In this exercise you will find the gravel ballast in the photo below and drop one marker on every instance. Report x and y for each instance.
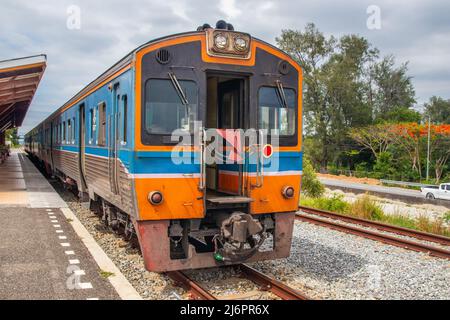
(327, 264)
(324, 264)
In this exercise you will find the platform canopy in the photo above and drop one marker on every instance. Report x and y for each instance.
(19, 79)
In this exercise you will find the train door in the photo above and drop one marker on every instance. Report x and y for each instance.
(82, 145)
(113, 135)
(227, 105)
(230, 116)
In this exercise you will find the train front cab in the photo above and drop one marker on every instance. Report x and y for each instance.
(210, 213)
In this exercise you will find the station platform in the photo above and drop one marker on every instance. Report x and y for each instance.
(45, 252)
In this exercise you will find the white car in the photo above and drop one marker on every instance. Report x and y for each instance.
(439, 192)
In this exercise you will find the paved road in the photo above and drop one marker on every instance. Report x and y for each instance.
(372, 188)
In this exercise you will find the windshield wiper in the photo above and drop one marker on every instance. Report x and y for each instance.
(178, 89)
(281, 93)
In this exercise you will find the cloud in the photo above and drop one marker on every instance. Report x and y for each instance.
(414, 31)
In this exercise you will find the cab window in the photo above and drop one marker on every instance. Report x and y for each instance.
(273, 116)
(164, 111)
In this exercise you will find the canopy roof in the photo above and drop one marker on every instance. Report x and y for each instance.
(19, 79)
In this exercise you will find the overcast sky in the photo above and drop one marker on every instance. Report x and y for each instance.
(414, 31)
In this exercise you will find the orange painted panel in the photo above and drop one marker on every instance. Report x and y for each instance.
(182, 199)
(269, 198)
(229, 182)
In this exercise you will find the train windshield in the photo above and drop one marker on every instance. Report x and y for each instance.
(273, 115)
(165, 111)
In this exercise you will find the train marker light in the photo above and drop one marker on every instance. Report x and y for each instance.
(288, 192)
(267, 151)
(155, 198)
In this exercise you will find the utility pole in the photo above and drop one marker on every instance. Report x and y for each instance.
(428, 152)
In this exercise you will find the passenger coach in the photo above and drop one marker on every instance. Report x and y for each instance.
(113, 142)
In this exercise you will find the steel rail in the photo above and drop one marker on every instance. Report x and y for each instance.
(391, 240)
(274, 286)
(380, 226)
(197, 291)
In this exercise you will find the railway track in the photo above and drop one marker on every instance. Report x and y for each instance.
(264, 282)
(377, 236)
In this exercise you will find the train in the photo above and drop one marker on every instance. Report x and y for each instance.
(191, 145)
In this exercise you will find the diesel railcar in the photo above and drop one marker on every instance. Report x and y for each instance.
(136, 143)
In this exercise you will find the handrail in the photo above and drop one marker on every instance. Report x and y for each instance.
(260, 161)
(202, 182)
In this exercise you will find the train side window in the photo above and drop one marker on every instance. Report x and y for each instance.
(273, 116)
(73, 130)
(91, 128)
(64, 132)
(124, 119)
(69, 131)
(102, 129)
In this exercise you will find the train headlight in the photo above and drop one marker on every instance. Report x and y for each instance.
(240, 44)
(220, 41)
(155, 198)
(288, 192)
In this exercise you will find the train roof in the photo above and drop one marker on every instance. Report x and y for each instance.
(124, 62)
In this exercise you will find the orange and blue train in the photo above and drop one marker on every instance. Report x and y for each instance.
(114, 143)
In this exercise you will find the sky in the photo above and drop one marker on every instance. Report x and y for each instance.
(79, 50)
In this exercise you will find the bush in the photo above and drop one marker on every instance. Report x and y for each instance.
(311, 186)
(432, 226)
(365, 207)
(383, 166)
(447, 217)
(334, 204)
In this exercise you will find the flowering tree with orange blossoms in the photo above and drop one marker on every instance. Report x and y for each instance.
(412, 138)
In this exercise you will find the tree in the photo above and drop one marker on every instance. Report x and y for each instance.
(12, 136)
(333, 85)
(440, 148)
(408, 137)
(376, 138)
(390, 88)
(438, 109)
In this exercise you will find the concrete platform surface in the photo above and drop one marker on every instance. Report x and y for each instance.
(45, 252)
(41, 257)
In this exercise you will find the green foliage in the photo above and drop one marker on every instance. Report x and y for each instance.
(311, 186)
(383, 165)
(362, 167)
(334, 204)
(11, 135)
(447, 217)
(352, 95)
(402, 114)
(367, 208)
(438, 109)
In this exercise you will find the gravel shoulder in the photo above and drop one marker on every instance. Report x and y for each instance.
(327, 264)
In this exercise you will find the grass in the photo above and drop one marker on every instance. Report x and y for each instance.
(447, 217)
(367, 208)
(105, 274)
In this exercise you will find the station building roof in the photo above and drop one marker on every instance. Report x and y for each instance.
(19, 79)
